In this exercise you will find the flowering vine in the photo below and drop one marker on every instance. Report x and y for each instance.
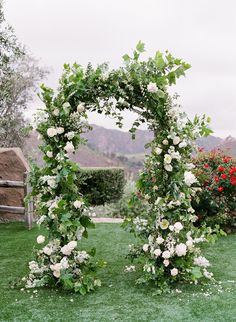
(168, 241)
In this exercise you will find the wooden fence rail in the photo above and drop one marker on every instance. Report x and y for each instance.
(28, 210)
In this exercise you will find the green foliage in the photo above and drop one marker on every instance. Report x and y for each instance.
(101, 185)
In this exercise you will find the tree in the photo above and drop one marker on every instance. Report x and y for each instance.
(19, 76)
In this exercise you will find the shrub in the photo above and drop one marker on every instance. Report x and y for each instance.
(101, 185)
(216, 203)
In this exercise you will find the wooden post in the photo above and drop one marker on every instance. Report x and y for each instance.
(29, 207)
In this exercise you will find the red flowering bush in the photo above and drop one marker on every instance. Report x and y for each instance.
(216, 203)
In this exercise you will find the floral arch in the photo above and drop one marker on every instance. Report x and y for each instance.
(167, 240)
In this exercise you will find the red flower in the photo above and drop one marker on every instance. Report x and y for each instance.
(233, 180)
(206, 166)
(221, 169)
(232, 170)
(220, 189)
(210, 188)
(226, 159)
(216, 178)
(224, 176)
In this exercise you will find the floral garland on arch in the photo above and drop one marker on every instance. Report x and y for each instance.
(168, 242)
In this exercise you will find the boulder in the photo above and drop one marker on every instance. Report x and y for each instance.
(13, 165)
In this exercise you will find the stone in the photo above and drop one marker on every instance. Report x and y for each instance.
(13, 165)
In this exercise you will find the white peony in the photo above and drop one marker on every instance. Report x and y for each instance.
(178, 226)
(166, 254)
(168, 167)
(189, 178)
(167, 159)
(80, 108)
(40, 239)
(166, 262)
(60, 130)
(165, 142)
(145, 247)
(51, 132)
(157, 252)
(181, 249)
(176, 140)
(49, 154)
(69, 147)
(78, 204)
(174, 272)
(152, 87)
(158, 151)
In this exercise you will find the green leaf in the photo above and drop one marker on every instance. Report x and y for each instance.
(196, 272)
(140, 47)
(160, 93)
(126, 58)
(86, 222)
(159, 61)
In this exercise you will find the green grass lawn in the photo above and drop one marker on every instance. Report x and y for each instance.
(119, 299)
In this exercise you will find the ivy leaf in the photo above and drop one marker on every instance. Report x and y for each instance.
(140, 47)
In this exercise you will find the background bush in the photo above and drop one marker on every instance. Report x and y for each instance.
(101, 185)
(216, 203)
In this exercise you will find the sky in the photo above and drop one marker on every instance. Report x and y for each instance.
(201, 32)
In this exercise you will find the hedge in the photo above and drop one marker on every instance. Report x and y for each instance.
(101, 185)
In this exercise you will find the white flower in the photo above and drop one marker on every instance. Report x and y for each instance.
(51, 182)
(41, 220)
(66, 105)
(158, 151)
(207, 274)
(189, 166)
(69, 147)
(49, 154)
(70, 135)
(55, 112)
(189, 178)
(182, 144)
(157, 252)
(181, 249)
(201, 261)
(64, 263)
(80, 108)
(66, 250)
(172, 228)
(166, 262)
(168, 167)
(81, 256)
(159, 240)
(178, 226)
(72, 244)
(189, 243)
(152, 87)
(130, 268)
(60, 130)
(166, 254)
(164, 224)
(40, 239)
(145, 247)
(174, 272)
(176, 140)
(165, 142)
(167, 159)
(51, 132)
(78, 204)
(57, 274)
(47, 250)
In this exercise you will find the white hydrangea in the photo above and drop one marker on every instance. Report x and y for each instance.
(152, 87)
(189, 178)
(81, 256)
(181, 249)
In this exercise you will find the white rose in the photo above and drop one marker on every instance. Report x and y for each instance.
(168, 167)
(49, 154)
(165, 142)
(72, 244)
(167, 158)
(189, 178)
(166, 254)
(157, 252)
(166, 262)
(178, 226)
(47, 250)
(69, 147)
(181, 249)
(183, 144)
(176, 140)
(80, 108)
(60, 130)
(40, 239)
(145, 247)
(152, 87)
(70, 135)
(159, 240)
(78, 204)
(51, 132)
(174, 272)
(158, 151)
